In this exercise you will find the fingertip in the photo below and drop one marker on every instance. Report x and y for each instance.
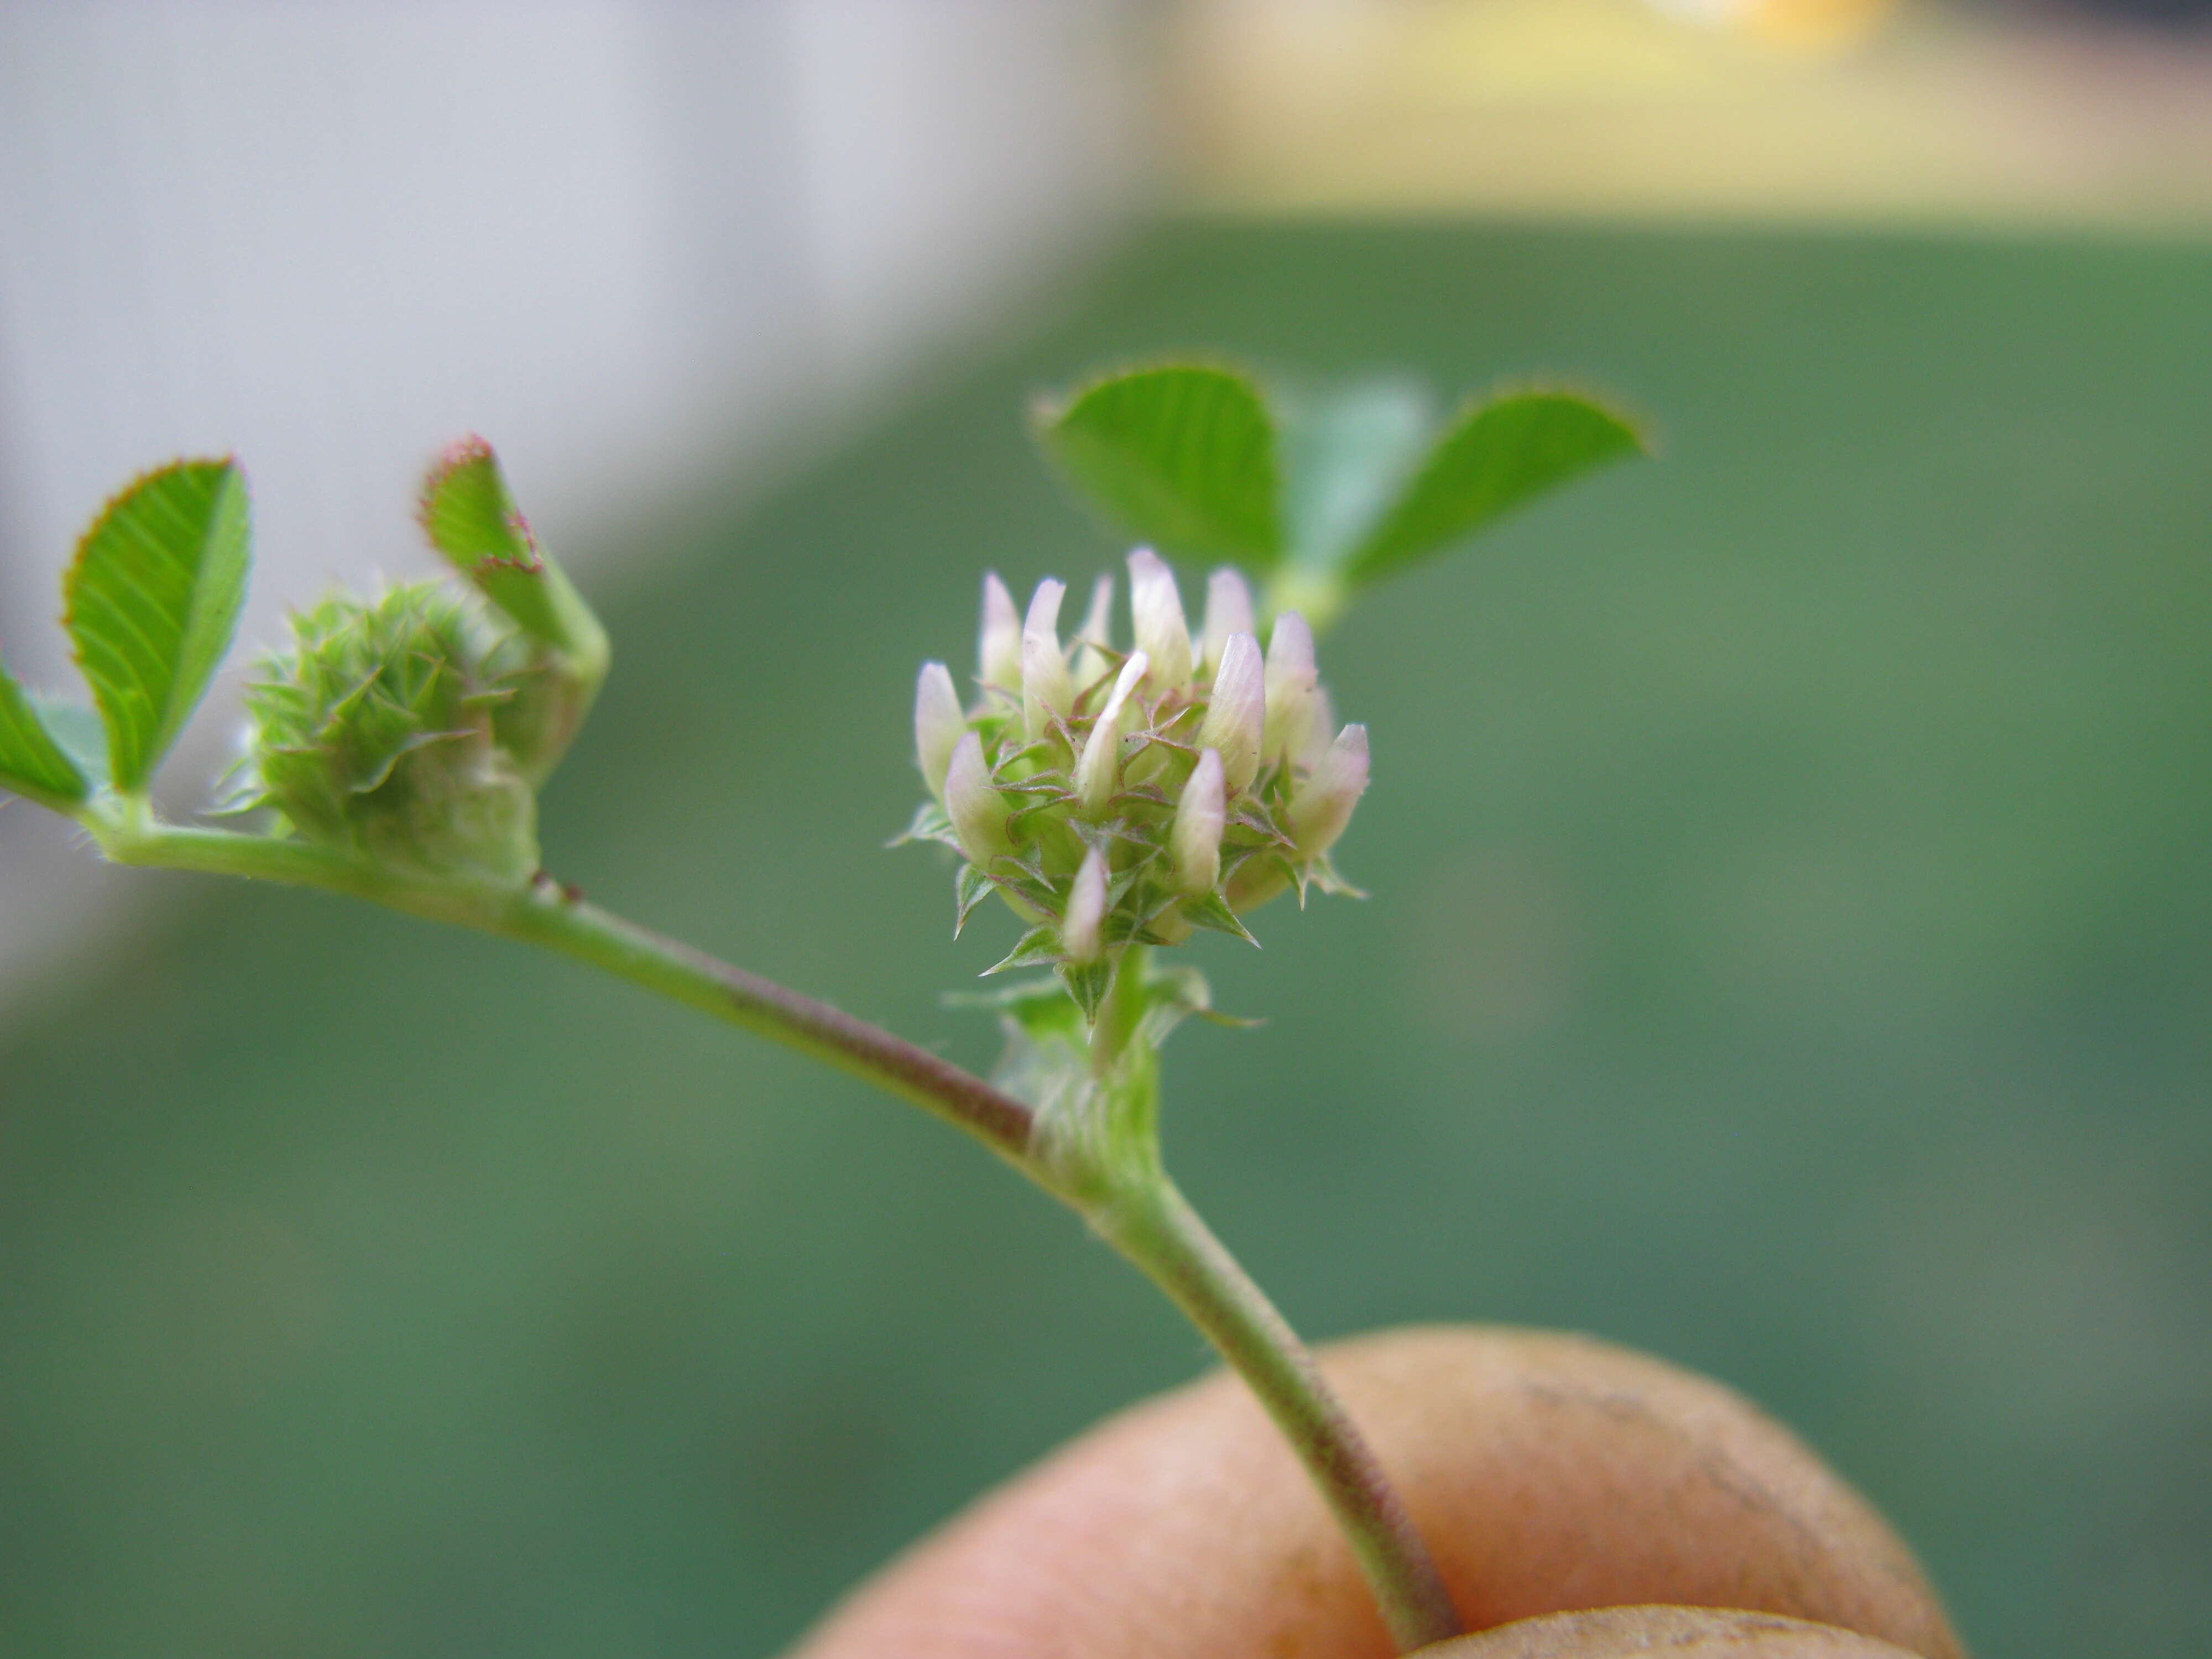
(1551, 1473)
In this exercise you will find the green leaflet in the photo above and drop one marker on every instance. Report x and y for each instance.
(1183, 455)
(1496, 454)
(33, 761)
(154, 595)
(1347, 455)
(470, 517)
(76, 727)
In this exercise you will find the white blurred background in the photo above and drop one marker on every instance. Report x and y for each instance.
(631, 243)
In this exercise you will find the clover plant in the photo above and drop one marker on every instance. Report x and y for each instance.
(1116, 790)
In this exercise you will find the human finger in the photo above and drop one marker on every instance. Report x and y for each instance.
(1549, 1474)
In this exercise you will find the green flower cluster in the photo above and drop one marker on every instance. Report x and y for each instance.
(384, 728)
(1116, 797)
(414, 729)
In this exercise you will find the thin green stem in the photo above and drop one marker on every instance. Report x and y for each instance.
(761, 1006)
(1145, 1217)
(1156, 1228)
(544, 913)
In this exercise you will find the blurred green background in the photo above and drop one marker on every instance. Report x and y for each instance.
(1791, 953)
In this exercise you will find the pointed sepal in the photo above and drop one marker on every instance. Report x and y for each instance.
(1212, 910)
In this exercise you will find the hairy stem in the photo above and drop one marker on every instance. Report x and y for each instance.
(1156, 1228)
(1147, 1220)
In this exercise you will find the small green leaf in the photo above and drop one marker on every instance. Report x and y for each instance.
(154, 595)
(1495, 455)
(33, 762)
(1182, 455)
(470, 516)
(1212, 911)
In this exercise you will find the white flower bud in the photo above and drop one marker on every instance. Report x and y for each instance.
(1228, 612)
(1100, 769)
(1082, 928)
(1318, 730)
(998, 655)
(1291, 683)
(1195, 840)
(939, 723)
(977, 811)
(1090, 662)
(1046, 689)
(1162, 633)
(1236, 716)
(1323, 804)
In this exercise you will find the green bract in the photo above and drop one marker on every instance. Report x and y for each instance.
(379, 731)
(1116, 797)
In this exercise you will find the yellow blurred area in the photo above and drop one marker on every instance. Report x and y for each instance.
(1852, 110)
(1814, 24)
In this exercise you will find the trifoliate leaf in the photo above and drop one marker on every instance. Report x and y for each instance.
(1183, 455)
(154, 595)
(33, 763)
(1496, 454)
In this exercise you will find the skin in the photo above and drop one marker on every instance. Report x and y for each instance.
(1678, 1632)
(1551, 1473)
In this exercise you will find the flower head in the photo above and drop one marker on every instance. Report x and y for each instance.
(379, 729)
(1128, 799)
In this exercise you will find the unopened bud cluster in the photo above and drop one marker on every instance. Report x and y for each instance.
(1116, 796)
(398, 728)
